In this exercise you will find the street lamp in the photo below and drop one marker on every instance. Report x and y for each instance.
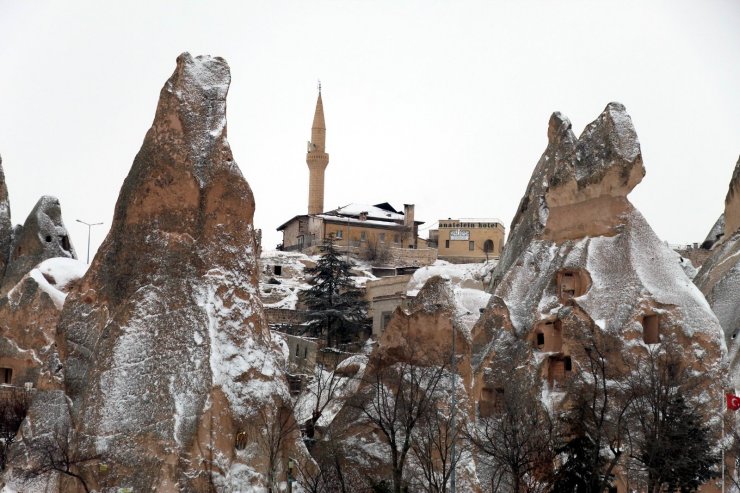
(89, 226)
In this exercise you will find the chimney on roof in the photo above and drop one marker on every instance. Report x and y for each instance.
(363, 216)
(408, 215)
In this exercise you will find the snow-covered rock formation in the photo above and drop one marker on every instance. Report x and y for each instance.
(6, 227)
(719, 277)
(581, 260)
(168, 361)
(42, 236)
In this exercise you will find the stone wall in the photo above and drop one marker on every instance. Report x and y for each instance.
(412, 256)
(276, 316)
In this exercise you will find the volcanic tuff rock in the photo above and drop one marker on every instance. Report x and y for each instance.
(719, 277)
(581, 259)
(28, 318)
(41, 237)
(579, 185)
(717, 232)
(6, 227)
(416, 341)
(167, 354)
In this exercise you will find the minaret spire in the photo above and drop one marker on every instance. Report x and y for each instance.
(317, 159)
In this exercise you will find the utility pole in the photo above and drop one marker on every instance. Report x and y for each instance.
(89, 227)
(453, 484)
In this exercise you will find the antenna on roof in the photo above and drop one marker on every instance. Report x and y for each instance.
(319, 86)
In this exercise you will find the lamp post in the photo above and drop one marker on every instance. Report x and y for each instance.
(89, 227)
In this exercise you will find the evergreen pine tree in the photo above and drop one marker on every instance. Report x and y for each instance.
(336, 308)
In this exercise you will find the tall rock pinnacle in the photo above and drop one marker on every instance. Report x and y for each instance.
(719, 276)
(42, 236)
(6, 227)
(168, 355)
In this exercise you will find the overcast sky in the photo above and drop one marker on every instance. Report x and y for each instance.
(440, 104)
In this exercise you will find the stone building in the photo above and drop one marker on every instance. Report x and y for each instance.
(468, 239)
(372, 231)
(384, 296)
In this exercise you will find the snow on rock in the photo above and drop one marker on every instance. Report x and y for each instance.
(41, 237)
(472, 276)
(719, 276)
(168, 354)
(29, 313)
(591, 262)
(6, 226)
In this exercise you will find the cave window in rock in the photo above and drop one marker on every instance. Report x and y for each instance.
(488, 246)
(240, 442)
(548, 336)
(277, 270)
(540, 340)
(305, 352)
(558, 369)
(491, 399)
(6, 375)
(64, 242)
(297, 350)
(651, 329)
(48, 238)
(570, 285)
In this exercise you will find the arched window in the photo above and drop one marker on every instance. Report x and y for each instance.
(488, 246)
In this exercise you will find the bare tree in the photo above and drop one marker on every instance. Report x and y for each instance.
(515, 433)
(58, 452)
(14, 404)
(396, 397)
(595, 418)
(671, 446)
(435, 437)
(323, 389)
(273, 429)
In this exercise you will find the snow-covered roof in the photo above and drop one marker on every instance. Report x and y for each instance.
(372, 212)
(353, 220)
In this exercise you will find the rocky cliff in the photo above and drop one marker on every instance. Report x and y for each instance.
(6, 227)
(719, 277)
(42, 236)
(168, 361)
(582, 264)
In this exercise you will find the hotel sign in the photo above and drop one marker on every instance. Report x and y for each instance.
(460, 234)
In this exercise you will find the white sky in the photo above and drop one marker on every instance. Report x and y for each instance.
(440, 104)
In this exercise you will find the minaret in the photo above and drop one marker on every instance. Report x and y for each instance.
(317, 160)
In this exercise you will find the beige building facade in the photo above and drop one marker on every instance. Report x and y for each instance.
(469, 239)
(375, 232)
(384, 296)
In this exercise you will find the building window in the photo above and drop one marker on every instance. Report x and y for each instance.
(277, 270)
(488, 246)
(396, 238)
(6, 375)
(382, 237)
(339, 234)
(385, 320)
(651, 329)
(363, 236)
(471, 245)
(447, 243)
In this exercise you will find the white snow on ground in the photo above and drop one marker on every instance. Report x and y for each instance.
(462, 275)
(345, 385)
(282, 291)
(54, 275)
